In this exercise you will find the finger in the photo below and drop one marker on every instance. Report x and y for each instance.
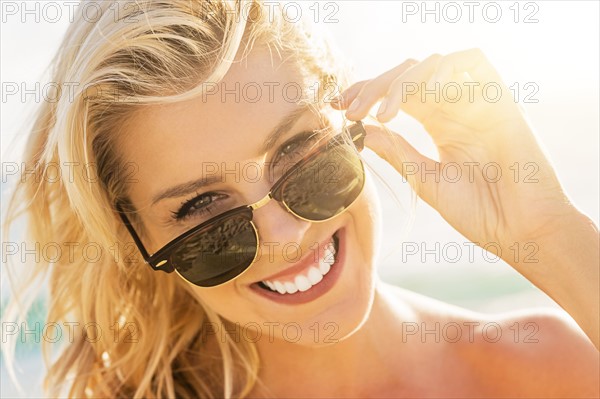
(471, 61)
(364, 95)
(401, 93)
(345, 98)
(409, 162)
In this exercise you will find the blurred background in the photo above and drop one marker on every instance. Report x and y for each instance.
(546, 51)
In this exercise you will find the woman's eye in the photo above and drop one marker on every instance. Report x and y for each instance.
(294, 149)
(288, 148)
(199, 205)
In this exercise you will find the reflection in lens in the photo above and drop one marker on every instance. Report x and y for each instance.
(326, 185)
(218, 253)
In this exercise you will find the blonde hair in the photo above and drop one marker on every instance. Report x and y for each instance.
(132, 54)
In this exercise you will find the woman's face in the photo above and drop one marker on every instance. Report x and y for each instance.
(224, 134)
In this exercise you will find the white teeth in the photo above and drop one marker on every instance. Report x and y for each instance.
(279, 287)
(314, 275)
(302, 283)
(331, 248)
(305, 282)
(329, 255)
(328, 259)
(324, 267)
(290, 287)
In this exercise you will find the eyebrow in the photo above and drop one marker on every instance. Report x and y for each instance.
(281, 129)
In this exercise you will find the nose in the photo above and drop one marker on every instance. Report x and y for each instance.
(281, 234)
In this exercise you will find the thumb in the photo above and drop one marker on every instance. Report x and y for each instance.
(421, 172)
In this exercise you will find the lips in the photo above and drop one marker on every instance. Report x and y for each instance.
(306, 278)
(289, 287)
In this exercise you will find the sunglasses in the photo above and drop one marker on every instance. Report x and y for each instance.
(223, 247)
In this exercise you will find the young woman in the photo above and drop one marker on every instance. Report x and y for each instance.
(243, 226)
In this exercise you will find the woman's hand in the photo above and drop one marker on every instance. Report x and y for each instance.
(492, 182)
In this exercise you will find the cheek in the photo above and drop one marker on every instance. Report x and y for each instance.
(228, 302)
(219, 300)
(367, 216)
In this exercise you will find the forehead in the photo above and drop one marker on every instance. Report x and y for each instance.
(228, 124)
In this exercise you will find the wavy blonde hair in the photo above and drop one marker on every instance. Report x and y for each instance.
(132, 54)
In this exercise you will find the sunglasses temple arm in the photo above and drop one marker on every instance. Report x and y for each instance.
(134, 235)
(358, 133)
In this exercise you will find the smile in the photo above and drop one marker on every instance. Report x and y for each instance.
(310, 278)
(306, 279)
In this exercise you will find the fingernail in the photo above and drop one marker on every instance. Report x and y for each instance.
(337, 100)
(382, 107)
(354, 106)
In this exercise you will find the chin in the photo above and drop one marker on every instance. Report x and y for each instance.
(339, 308)
(341, 319)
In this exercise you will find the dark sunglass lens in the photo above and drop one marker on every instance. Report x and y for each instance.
(218, 253)
(326, 185)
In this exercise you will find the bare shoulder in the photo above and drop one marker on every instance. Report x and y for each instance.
(538, 352)
(548, 353)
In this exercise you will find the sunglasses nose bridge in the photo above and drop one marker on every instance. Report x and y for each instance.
(276, 223)
(261, 202)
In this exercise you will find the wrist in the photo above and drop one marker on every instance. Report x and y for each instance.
(567, 269)
(571, 238)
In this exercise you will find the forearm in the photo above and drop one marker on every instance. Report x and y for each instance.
(568, 271)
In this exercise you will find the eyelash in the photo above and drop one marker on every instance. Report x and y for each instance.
(183, 213)
(302, 140)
